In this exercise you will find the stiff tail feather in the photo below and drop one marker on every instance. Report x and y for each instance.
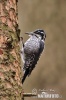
(25, 75)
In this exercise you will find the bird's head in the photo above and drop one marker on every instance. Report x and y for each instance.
(38, 33)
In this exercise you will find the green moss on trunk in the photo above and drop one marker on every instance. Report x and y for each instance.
(10, 60)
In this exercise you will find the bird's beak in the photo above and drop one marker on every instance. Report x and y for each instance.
(29, 33)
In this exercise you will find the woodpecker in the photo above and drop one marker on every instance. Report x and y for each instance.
(31, 51)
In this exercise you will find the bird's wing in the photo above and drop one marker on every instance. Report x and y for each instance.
(32, 59)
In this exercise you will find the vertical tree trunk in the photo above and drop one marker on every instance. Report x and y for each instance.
(10, 60)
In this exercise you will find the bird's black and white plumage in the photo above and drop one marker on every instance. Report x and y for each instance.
(32, 50)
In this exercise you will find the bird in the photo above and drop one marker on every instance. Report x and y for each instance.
(31, 51)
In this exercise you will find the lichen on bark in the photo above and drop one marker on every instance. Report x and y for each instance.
(10, 60)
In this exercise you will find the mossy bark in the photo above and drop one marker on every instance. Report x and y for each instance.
(10, 60)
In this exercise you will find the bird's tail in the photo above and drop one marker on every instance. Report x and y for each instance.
(25, 75)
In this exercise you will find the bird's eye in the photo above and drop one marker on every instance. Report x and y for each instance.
(41, 32)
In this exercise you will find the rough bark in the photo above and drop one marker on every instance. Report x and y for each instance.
(10, 60)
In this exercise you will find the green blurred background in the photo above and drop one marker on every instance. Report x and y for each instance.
(50, 15)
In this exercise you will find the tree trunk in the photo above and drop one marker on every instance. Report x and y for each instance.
(10, 60)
